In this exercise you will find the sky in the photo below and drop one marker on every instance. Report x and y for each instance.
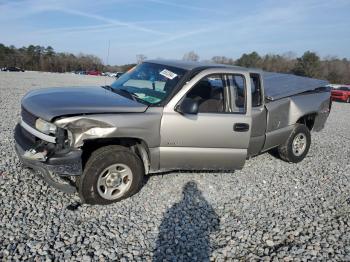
(169, 28)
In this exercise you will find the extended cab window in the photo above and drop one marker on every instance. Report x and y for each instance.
(256, 90)
(220, 93)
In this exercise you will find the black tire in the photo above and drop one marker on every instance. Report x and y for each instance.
(348, 100)
(101, 159)
(285, 151)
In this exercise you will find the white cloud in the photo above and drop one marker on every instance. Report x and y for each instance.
(111, 21)
(189, 7)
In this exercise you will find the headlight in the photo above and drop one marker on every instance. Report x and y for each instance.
(45, 127)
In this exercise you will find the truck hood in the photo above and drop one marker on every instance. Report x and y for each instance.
(49, 103)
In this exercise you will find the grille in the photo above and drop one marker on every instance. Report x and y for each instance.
(28, 117)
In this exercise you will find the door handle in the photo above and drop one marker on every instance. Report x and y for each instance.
(241, 127)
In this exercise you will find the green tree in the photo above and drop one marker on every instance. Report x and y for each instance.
(249, 60)
(308, 65)
(49, 51)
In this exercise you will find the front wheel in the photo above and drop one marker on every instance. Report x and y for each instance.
(348, 100)
(297, 145)
(111, 174)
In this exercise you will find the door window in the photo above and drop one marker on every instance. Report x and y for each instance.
(237, 89)
(220, 93)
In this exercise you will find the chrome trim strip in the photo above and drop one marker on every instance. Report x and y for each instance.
(38, 134)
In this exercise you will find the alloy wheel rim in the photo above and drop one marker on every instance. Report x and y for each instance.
(114, 181)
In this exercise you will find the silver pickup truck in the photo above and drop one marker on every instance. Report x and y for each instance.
(165, 115)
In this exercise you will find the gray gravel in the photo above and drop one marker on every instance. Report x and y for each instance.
(270, 210)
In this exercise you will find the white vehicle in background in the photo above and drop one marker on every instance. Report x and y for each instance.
(116, 75)
(334, 86)
(112, 74)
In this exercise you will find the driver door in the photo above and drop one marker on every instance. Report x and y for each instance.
(216, 138)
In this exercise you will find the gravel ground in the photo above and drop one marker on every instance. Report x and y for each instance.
(269, 210)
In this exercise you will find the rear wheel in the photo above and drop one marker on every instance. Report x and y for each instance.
(348, 100)
(297, 145)
(111, 174)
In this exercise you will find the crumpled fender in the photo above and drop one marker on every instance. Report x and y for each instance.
(83, 128)
(144, 126)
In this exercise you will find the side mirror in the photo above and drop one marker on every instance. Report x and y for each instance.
(187, 106)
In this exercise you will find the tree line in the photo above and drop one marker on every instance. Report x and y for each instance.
(333, 69)
(41, 58)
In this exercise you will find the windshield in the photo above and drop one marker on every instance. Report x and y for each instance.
(149, 83)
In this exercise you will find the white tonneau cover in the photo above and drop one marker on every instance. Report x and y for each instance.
(279, 85)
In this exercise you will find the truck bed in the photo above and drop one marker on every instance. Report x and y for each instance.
(279, 85)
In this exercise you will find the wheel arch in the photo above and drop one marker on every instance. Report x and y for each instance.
(136, 145)
(308, 120)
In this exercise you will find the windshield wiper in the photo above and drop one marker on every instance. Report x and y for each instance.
(126, 93)
(116, 90)
(133, 95)
(107, 87)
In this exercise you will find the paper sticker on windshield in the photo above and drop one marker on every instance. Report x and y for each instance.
(168, 74)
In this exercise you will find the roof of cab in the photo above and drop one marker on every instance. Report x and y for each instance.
(190, 65)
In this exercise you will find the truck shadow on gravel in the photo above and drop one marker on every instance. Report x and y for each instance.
(184, 234)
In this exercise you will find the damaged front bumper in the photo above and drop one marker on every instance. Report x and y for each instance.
(62, 164)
